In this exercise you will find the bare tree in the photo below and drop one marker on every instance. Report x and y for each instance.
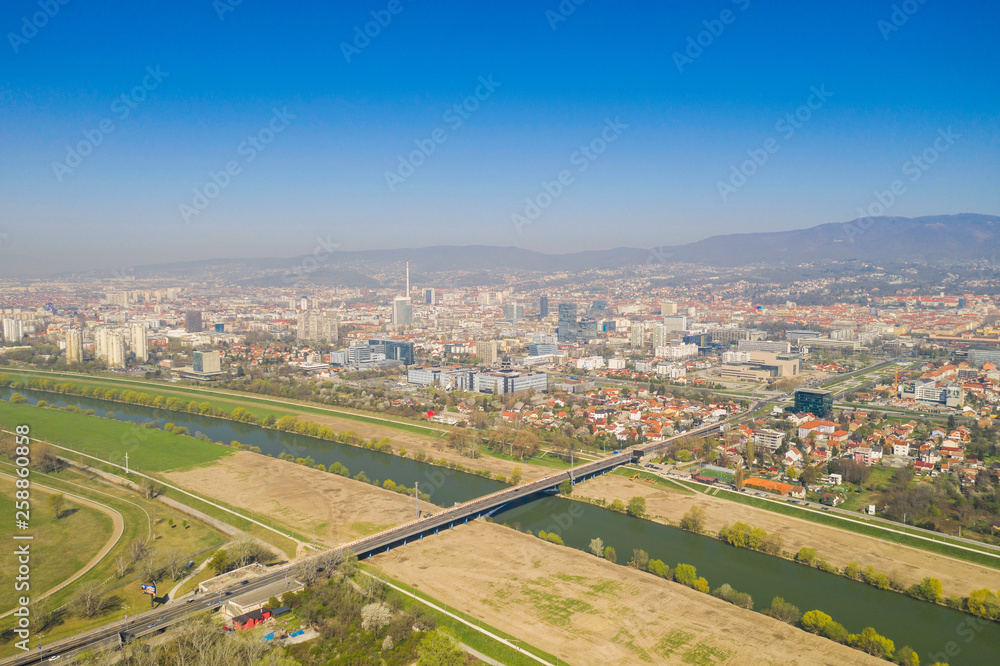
(88, 600)
(597, 547)
(173, 563)
(122, 564)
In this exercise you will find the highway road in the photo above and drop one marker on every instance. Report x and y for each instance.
(158, 619)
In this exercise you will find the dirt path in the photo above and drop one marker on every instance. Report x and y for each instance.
(307, 500)
(118, 528)
(589, 611)
(838, 546)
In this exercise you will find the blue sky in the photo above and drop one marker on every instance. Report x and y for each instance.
(344, 122)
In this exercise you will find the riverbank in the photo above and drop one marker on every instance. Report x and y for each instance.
(589, 611)
(308, 501)
(837, 546)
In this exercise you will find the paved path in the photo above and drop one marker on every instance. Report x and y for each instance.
(118, 527)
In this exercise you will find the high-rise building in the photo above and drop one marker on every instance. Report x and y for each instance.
(110, 347)
(543, 306)
(137, 340)
(316, 326)
(207, 360)
(637, 335)
(675, 323)
(814, 401)
(402, 306)
(568, 325)
(513, 312)
(74, 346)
(402, 311)
(668, 308)
(587, 329)
(660, 336)
(487, 351)
(396, 350)
(429, 296)
(192, 322)
(13, 330)
(599, 306)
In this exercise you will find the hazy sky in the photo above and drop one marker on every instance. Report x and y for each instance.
(332, 113)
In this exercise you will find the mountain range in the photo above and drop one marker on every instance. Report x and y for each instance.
(936, 240)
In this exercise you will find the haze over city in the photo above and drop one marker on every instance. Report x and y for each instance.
(459, 334)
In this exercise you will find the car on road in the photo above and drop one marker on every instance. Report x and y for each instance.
(244, 582)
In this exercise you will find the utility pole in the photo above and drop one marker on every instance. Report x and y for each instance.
(126, 463)
(416, 496)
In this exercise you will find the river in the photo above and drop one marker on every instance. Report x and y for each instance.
(929, 629)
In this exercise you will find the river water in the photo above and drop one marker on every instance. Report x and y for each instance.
(935, 632)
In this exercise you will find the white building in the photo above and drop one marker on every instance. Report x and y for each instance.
(671, 370)
(676, 352)
(137, 340)
(74, 346)
(13, 330)
(616, 364)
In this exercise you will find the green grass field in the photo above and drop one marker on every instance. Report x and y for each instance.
(149, 450)
(59, 548)
(138, 514)
(229, 400)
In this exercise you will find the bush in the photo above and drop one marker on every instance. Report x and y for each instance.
(637, 507)
(815, 620)
(905, 656)
(727, 593)
(701, 585)
(984, 603)
(640, 559)
(784, 611)
(609, 555)
(928, 589)
(853, 570)
(875, 578)
(806, 556)
(685, 574)
(659, 568)
(694, 520)
(565, 488)
(871, 642)
(835, 631)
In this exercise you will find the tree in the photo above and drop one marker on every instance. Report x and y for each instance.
(694, 520)
(928, 589)
(640, 559)
(637, 507)
(566, 487)
(18, 399)
(751, 454)
(815, 620)
(436, 649)
(806, 556)
(88, 599)
(784, 611)
(375, 615)
(609, 555)
(905, 656)
(617, 505)
(57, 502)
(597, 547)
(871, 642)
(515, 475)
(685, 574)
